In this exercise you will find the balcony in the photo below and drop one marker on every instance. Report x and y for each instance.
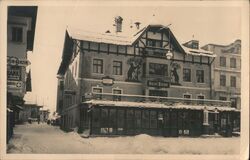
(157, 102)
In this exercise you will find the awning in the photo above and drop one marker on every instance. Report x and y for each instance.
(158, 105)
(9, 110)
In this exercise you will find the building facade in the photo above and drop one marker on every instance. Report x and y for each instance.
(20, 39)
(112, 84)
(226, 74)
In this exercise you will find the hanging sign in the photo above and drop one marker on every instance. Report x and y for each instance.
(15, 84)
(14, 73)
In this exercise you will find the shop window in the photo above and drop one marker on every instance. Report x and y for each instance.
(104, 121)
(120, 120)
(96, 117)
(17, 34)
(137, 118)
(112, 120)
(186, 75)
(98, 66)
(232, 63)
(233, 81)
(153, 119)
(115, 97)
(145, 119)
(117, 68)
(98, 92)
(222, 80)
(200, 76)
(167, 120)
(223, 61)
(130, 118)
(158, 69)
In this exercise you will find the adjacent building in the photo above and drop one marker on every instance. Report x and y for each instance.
(117, 84)
(20, 40)
(226, 74)
(30, 112)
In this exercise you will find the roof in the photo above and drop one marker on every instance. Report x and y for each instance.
(199, 52)
(157, 105)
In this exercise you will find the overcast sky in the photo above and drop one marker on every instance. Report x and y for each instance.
(219, 25)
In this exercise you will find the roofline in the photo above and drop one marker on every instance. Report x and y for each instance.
(219, 45)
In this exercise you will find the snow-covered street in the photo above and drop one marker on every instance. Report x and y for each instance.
(43, 138)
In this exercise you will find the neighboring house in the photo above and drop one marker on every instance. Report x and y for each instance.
(226, 73)
(20, 40)
(30, 112)
(116, 84)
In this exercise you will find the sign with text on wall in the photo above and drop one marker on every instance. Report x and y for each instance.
(159, 84)
(107, 81)
(14, 61)
(14, 73)
(15, 85)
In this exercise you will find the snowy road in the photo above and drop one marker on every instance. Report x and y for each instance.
(42, 138)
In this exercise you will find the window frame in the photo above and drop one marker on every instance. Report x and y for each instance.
(234, 64)
(116, 68)
(223, 63)
(97, 87)
(203, 77)
(98, 65)
(155, 64)
(184, 75)
(233, 78)
(117, 98)
(15, 38)
(225, 83)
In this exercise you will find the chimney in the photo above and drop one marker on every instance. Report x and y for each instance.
(137, 24)
(118, 23)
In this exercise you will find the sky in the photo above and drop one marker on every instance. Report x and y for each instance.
(218, 25)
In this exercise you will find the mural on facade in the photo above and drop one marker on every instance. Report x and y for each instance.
(134, 70)
(174, 73)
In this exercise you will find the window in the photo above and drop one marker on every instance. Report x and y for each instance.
(222, 80)
(158, 69)
(130, 118)
(186, 74)
(202, 97)
(200, 76)
(97, 90)
(233, 102)
(120, 120)
(154, 43)
(232, 63)
(187, 96)
(223, 62)
(117, 68)
(223, 98)
(138, 118)
(158, 93)
(145, 119)
(117, 91)
(17, 34)
(98, 66)
(233, 81)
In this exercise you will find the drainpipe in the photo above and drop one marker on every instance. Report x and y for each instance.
(210, 77)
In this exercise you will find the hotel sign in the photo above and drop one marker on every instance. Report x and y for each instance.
(158, 84)
(14, 61)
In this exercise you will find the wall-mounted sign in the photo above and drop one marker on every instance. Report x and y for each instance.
(15, 84)
(158, 84)
(14, 73)
(107, 81)
(14, 61)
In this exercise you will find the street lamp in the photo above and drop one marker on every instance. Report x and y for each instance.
(169, 54)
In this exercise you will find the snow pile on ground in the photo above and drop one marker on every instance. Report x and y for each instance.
(42, 138)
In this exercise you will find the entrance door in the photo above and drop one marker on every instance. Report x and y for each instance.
(173, 124)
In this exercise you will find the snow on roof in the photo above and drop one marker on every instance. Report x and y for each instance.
(99, 37)
(157, 105)
(200, 52)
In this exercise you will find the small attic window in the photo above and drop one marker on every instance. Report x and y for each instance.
(195, 45)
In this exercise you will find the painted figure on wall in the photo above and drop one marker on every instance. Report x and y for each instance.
(134, 69)
(174, 73)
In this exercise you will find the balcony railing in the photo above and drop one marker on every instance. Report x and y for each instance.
(156, 99)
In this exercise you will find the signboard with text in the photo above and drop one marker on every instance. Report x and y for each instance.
(14, 73)
(15, 85)
(14, 61)
(158, 84)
